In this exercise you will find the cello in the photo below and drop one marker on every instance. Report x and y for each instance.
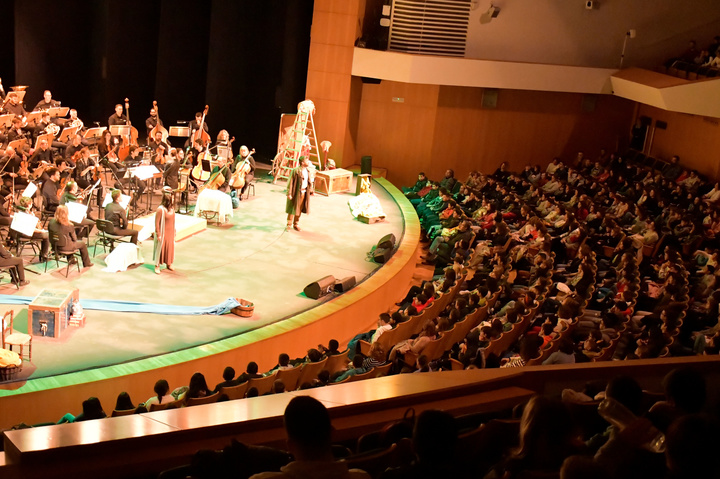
(158, 127)
(217, 178)
(237, 180)
(127, 140)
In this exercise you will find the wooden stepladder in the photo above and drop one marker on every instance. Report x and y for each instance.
(298, 140)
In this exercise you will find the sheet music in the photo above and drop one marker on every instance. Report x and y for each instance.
(30, 190)
(76, 211)
(144, 172)
(124, 200)
(24, 223)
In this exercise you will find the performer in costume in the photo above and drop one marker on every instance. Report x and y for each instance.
(164, 252)
(300, 187)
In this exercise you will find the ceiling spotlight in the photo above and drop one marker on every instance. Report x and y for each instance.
(492, 12)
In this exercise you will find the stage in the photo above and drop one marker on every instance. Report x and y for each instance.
(251, 257)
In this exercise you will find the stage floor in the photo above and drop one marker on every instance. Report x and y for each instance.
(251, 257)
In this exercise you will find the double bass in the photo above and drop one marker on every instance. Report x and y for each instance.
(127, 140)
(237, 180)
(158, 127)
(203, 138)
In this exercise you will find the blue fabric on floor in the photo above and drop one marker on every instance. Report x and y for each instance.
(132, 307)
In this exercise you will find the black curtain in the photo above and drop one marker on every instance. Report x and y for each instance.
(246, 59)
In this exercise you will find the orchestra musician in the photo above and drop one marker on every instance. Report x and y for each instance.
(61, 226)
(47, 102)
(87, 172)
(14, 106)
(47, 126)
(11, 161)
(50, 190)
(16, 131)
(74, 147)
(172, 169)
(115, 214)
(18, 272)
(152, 121)
(160, 148)
(41, 155)
(245, 158)
(117, 118)
(194, 126)
(2, 90)
(134, 158)
(25, 205)
(70, 195)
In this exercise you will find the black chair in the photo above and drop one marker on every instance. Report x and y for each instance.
(22, 242)
(250, 186)
(106, 236)
(68, 253)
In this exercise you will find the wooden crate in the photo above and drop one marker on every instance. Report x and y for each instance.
(50, 311)
(333, 181)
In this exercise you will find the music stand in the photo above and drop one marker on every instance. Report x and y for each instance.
(17, 144)
(179, 131)
(224, 152)
(56, 111)
(47, 136)
(68, 133)
(6, 120)
(120, 130)
(94, 132)
(34, 117)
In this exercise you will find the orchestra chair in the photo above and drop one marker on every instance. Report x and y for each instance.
(165, 405)
(263, 384)
(66, 252)
(337, 362)
(22, 241)
(235, 392)
(203, 400)
(45, 214)
(14, 279)
(13, 338)
(106, 237)
(124, 412)
(311, 371)
(290, 377)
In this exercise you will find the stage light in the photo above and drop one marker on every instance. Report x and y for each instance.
(491, 13)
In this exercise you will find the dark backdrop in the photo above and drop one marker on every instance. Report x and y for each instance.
(246, 59)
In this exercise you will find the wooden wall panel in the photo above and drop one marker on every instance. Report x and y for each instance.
(526, 127)
(695, 139)
(398, 136)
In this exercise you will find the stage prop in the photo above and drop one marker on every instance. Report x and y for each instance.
(366, 206)
(213, 204)
(49, 313)
(131, 306)
(299, 140)
(333, 181)
(320, 288)
(245, 309)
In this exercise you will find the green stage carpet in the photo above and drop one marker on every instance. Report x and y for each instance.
(252, 258)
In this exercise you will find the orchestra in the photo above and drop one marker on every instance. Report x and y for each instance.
(79, 164)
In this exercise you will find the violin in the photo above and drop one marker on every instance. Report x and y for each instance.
(237, 180)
